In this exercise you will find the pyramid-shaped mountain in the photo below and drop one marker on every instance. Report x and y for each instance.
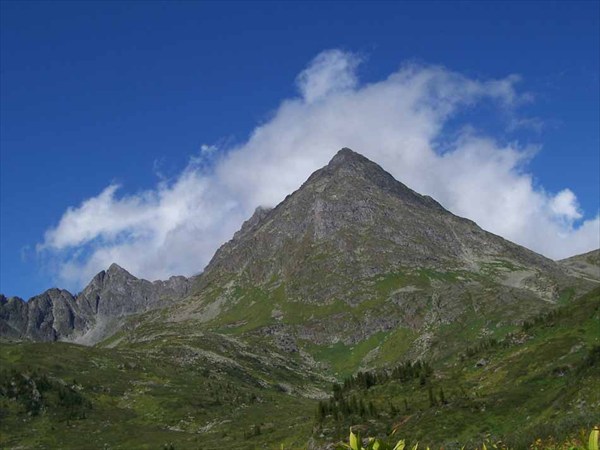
(354, 254)
(352, 220)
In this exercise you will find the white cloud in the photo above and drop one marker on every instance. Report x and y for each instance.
(564, 204)
(331, 71)
(398, 122)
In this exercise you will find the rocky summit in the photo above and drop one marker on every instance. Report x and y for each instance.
(354, 302)
(353, 221)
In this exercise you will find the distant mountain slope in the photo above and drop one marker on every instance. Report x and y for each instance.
(90, 316)
(587, 264)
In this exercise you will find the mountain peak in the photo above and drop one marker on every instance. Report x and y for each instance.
(347, 156)
(370, 222)
(353, 166)
(114, 269)
(361, 173)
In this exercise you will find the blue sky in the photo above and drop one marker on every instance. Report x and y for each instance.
(96, 95)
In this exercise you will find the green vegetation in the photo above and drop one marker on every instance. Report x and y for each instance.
(356, 443)
(543, 380)
(35, 393)
(344, 359)
(130, 399)
(177, 386)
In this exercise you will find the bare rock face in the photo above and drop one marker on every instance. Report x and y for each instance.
(115, 293)
(45, 317)
(112, 294)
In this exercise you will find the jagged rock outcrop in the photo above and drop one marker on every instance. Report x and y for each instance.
(115, 292)
(45, 317)
(91, 315)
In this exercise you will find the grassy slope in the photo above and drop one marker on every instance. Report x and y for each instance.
(472, 304)
(545, 379)
(201, 389)
(147, 398)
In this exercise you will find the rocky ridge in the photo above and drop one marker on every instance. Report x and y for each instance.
(91, 315)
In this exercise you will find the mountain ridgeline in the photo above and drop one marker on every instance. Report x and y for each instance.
(351, 234)
(90, 316)
(353, 276)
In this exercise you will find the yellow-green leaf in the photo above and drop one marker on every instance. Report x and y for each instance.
(354, 445)
(593, 443)
(400, 445)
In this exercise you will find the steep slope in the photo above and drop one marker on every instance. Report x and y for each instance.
(357, 270)
(355, 212)
(90, 316)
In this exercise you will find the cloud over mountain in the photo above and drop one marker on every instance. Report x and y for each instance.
(400, 122)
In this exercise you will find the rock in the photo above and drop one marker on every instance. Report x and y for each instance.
(90, 316)
(353, 220)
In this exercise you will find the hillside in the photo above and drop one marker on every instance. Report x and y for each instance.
(541, 380)
(355, 270)
(586, 265)
(206, 391)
